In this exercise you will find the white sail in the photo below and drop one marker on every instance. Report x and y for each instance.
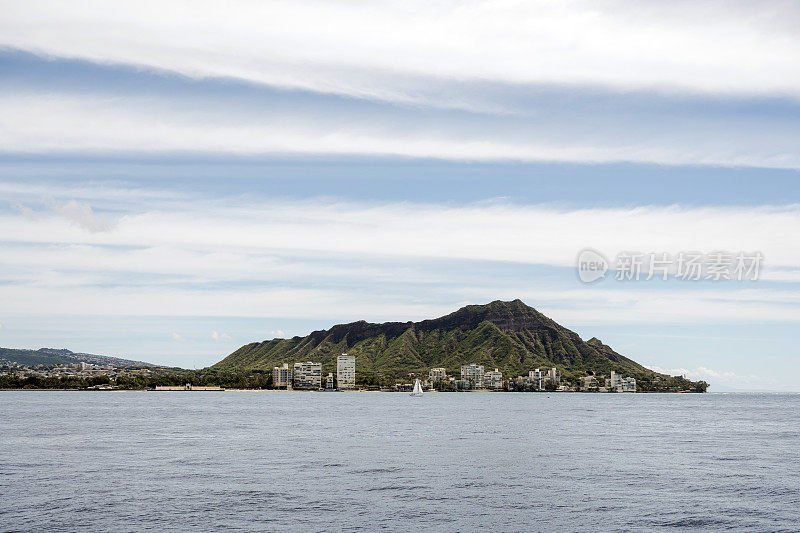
(417, 389)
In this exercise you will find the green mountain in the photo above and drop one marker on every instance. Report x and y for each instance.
(52, 356)
(510, 336)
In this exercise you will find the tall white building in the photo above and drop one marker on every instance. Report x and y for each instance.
(493, 379)
(307, 375)
(282, 376)
(346, 371)
(473, 374)
(554, 375)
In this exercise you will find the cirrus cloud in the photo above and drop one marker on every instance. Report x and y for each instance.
(711, 46)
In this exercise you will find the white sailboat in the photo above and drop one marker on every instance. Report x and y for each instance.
(417, 389)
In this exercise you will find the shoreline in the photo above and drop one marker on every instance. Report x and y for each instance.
(480, 391)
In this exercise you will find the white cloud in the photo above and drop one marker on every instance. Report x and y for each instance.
(216, 336)
(109, 193)
(723, 379)
(701, 46)
(26, 211)
(339, 304)
(277, 333)
(700, 372)
(257, 234)
(78, 213)
(259, 259)
(38, 122)
(82, 215)
(177, 337)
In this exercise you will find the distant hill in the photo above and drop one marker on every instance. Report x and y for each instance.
(51, 356)
(510, 336)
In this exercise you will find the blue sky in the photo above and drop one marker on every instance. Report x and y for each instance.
(173, 187)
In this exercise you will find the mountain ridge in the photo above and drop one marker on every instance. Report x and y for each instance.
(60, 356)
(508, 335)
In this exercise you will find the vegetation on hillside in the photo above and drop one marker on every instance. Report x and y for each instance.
(509, 336)
(162, 377)
(53, 356)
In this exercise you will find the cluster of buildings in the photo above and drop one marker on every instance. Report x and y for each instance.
(475, 377)
(614, 383)
(308, 375)
(72, 370)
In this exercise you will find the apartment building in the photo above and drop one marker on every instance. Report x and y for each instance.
(346, 372)
(493, 379)
(307, 375)
(282, 376)
(473, 375)
(537, 379)
(629, 385)
(437, 374)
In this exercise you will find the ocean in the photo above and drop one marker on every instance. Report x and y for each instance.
(358, 461)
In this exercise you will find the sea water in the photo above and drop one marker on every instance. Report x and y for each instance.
(358, 461)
